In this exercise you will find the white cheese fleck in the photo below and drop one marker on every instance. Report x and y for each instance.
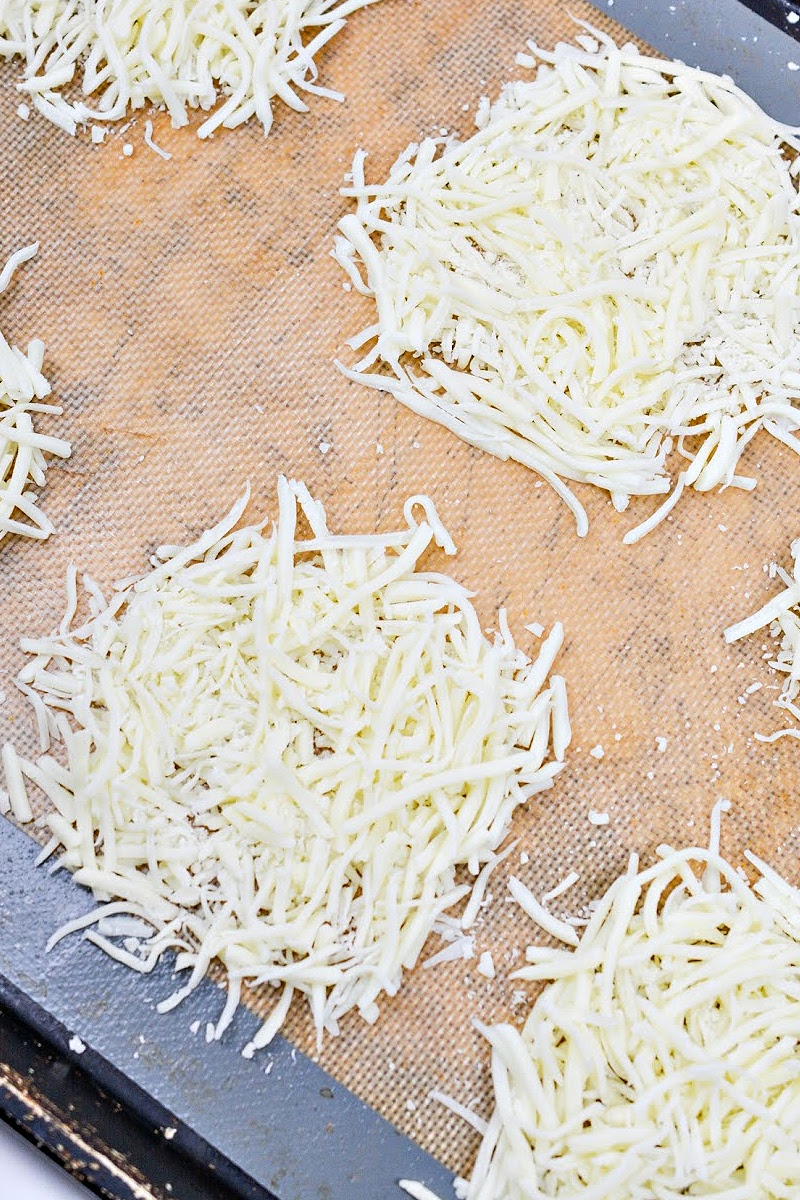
(486, 965)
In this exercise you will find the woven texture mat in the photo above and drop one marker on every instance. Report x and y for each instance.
(191, 312)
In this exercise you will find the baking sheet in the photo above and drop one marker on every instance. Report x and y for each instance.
(192, 312)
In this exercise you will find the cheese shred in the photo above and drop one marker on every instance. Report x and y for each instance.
(280, 747)
(24, 450)
(781, 616)
(661, 1057)
(606, 273)
(175, 56)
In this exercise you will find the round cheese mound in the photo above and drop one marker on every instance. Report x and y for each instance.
(23, 449)
(171, 55)
(608, 270)
(279, 749)
(662, 1059)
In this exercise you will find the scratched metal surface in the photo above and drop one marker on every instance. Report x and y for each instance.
(192, 312)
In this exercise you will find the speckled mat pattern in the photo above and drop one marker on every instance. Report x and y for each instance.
(192, 311)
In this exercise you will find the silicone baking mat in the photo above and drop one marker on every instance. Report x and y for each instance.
(192, 312)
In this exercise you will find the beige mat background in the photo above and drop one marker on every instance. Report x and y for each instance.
(191, 312)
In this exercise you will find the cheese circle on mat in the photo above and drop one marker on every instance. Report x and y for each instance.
(608, 270)
(24, 450)
(175, 56)
(279, 748)
(662, 1057)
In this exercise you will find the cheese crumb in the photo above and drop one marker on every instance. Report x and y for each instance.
(486, 965)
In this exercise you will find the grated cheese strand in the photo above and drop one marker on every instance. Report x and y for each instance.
(781, 615)
(661, 1057)
(606, 273)
(279, 749)
(171, 55)
(23, 450)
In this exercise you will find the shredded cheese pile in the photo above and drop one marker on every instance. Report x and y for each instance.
(608, 270)
(278, 750)
(176, 56)
(23, 449)
(662, 1059)
(782, 616)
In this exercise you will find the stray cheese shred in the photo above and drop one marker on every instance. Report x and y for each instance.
(176, 56)
(279, 748)
(661, 1059)
(606, 273)
(781, 616)
(23, 449)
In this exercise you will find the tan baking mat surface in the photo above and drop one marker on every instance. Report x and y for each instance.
(191, 312)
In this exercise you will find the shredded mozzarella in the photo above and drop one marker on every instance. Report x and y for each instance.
(608, 270)
(23, 450)
(175, 56)
(661, 1058)
(280, 748)
(782, 616)
(417, 1190)
(148, 139)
